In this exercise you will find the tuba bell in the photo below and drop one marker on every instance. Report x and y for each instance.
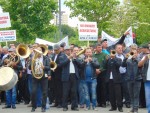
(44, 49)
(23, 51)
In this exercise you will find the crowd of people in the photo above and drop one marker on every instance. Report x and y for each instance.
(88, 77)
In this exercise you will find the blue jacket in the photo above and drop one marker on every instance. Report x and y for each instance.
(132, 68)
(95, 65)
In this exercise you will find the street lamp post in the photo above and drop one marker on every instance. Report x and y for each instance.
(60, 19)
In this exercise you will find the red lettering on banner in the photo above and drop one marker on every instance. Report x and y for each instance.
(3, 22)
(87, 25)
(6, 33)
(88, 30)
(4, 18)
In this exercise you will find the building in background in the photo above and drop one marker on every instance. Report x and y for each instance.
(64, 18)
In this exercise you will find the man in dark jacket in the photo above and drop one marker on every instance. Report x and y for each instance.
(113, 78)
(70, 75)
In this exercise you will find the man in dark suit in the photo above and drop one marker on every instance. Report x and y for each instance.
(113, 78)
(43, 63)
(70, 75)
(57, 73)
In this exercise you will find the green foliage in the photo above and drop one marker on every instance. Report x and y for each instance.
(67, 30)
(30, 18)
(123, 17)
(93, 10)
(143, 20)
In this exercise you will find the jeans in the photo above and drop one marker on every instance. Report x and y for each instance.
(147, 95)
(11, 96)
(125, 89)
(30, 83)
(81, 91)
(39, 93)
(90, 88)
(134, 91)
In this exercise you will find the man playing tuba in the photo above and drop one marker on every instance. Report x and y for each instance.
(41, 73)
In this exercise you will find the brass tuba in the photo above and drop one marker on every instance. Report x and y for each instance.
(44, 49)
(36, 69)
(23, 51)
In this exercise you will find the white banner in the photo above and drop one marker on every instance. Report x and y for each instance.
(111, 40)
(41, 41)
(129, 38)
(4, 20)
(7, 35)
(88, 31)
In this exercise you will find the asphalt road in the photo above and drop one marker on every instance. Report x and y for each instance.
(21, 108)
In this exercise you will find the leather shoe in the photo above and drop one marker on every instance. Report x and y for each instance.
(75, 109)
(13, 107)
(103, 106)
(43, 110)
(120, 109)
(59, 106)
(65, 109)
(33, 109)
(5, 107)
(127, 105)
(112, 109)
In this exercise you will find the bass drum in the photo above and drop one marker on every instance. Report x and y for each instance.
(8, 78)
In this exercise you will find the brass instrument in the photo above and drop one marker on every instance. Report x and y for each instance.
(81, 52)
(53, 65)
(44, 49)
(113, 53)
(23, 51)
(13, 58)
(36, 69)
(129, 55)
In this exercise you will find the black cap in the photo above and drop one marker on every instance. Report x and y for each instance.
(145, 46)
(63, 44)
(50, 47)
(103, 40)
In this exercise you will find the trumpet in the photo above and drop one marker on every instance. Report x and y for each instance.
(113, 53)
(129, 55)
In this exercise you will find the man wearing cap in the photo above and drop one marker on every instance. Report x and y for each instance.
(62, 45)
(144, 52)
(70, 75)
(50, 82)
(145, 63)
(17, 66)
(57, 74)
(41, 66)
(107, 49)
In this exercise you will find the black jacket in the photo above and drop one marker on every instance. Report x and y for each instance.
(113, 66)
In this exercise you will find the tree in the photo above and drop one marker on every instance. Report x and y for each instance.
(30, 18)
(123, 17)
(67, 30)
(142, 20)
(93, 10)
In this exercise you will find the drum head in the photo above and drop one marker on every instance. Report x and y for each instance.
(7, 78)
